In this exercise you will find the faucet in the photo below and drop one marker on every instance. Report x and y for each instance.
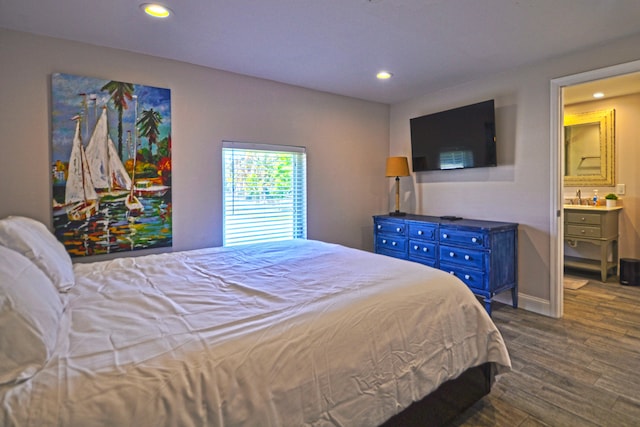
(579, 196)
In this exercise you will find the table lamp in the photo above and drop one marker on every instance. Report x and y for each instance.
(397, 166)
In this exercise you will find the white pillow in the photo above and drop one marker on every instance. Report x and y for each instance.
(30, 310)
(33, 240)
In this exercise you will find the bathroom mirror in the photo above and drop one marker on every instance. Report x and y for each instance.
(589, 140)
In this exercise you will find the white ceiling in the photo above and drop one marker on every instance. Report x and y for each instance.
(338, 46)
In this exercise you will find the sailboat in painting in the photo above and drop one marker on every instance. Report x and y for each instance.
(80, 194)
(133, 204)
(109, 174)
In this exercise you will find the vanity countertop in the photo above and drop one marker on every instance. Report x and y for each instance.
(591, 208)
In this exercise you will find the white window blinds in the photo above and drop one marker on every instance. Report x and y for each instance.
(264, 194)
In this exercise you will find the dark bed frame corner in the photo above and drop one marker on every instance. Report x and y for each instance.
(448, 401)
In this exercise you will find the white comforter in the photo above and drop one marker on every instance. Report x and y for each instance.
(282, 334)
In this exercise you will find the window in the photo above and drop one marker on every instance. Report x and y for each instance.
(264, 194)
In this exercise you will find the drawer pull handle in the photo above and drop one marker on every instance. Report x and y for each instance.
(379, 227)
(474, 240)
(398, 229)
(384, 241)
(394, 243)
(425, 249)
(415, 247)
(452, 273)
(445, 236)
(466, 276)
(451, 254)
(467, 257)
(420, 233)
(582, 231)
(582, 219)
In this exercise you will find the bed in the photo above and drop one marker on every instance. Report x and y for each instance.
(296, 333)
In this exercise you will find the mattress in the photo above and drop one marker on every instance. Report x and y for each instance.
(296, 333)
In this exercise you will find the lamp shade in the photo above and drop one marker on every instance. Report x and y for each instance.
(397, 166)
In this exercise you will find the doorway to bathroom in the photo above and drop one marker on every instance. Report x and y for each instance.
(574, 90)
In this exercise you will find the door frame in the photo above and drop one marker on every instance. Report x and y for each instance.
(556, 156)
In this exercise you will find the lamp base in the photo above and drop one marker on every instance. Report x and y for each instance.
(397, 213)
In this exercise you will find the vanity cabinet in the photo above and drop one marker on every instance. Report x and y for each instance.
(483, 254)
(597, 226)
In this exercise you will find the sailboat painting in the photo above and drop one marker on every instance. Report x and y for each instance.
(111, 165)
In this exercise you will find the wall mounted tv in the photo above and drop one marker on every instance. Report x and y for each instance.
(459, 138)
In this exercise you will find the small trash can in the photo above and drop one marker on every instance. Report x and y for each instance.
(630, 271)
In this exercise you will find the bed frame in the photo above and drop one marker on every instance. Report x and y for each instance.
(448, 401)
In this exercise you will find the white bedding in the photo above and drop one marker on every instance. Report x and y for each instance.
(280, 334)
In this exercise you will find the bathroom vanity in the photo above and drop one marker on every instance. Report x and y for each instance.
(597, 225)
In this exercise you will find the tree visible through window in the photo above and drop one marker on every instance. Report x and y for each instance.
(264, 194)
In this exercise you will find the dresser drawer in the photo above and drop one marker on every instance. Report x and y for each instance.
(576, 230)
(431, 262)
(422, 231)
(396, 228)
(462, 256)
(421, 249)
(583, 218)
(467, 238)
(391, 243)
(472, 278)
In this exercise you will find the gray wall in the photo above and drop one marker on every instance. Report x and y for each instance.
(346, 139)
(519, 189)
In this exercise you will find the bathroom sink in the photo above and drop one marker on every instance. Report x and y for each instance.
(589, 207)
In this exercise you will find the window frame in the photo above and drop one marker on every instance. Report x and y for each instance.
(234, 233)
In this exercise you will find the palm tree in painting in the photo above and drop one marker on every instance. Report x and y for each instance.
(120, 93)
(148, 125)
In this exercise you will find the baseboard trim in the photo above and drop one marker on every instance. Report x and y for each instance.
(527, 302)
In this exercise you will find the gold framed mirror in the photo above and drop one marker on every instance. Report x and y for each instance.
(589, 142)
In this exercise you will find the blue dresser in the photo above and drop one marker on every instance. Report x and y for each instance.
(483, 254)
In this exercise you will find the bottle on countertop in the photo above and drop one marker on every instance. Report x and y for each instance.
(595, 197)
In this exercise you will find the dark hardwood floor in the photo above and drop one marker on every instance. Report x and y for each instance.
(581, 370)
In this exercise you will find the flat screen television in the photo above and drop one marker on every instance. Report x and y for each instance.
(459, 138)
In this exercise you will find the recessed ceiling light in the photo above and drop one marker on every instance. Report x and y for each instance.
(598, 95)
(156, 10)
(384, 75)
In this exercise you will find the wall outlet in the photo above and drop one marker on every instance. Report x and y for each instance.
(620, 189)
